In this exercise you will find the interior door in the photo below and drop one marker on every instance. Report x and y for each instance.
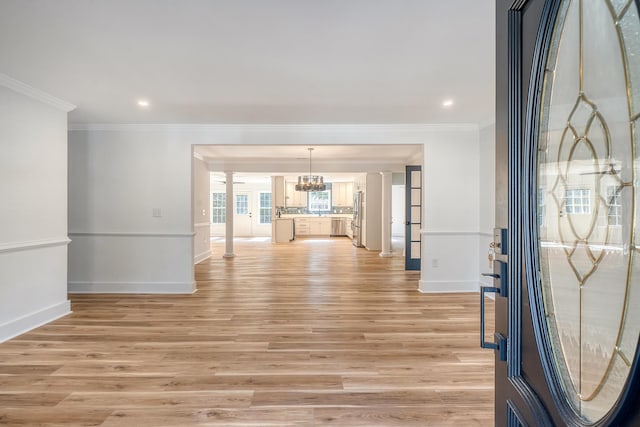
(567, 116)
(262, 208)
(243, 214)
(413, 215)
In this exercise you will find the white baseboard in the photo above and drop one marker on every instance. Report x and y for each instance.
(33, 320)
(201, 257)
(131, 287)
(427, 287)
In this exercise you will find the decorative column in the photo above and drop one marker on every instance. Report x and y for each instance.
(386, 214)
(228, 233)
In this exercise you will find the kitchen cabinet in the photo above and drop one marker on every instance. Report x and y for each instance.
(346, 226)
(278, 191)
(348, 194)
(293, 198)
(302, 227)
(313, 226)
(320, 226)
(342, 194)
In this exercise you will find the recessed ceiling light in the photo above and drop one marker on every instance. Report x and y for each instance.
(143, 103)
(447, 103)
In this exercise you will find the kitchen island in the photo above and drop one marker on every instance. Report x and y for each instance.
(287, 227)
(282, 230)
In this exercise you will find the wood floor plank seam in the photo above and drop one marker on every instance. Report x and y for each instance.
(297, 334)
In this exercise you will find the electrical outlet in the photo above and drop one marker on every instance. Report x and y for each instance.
(156, 213)
(435, 263)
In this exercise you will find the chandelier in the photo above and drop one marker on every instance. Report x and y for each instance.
(310, 182)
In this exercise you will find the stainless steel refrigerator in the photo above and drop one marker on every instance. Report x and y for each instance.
(356, 224)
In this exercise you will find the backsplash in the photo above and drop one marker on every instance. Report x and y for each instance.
(334, 210)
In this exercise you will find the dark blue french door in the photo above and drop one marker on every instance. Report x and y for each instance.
(413, 217)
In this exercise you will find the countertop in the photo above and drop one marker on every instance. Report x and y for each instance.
(316, 216)
(281, 219)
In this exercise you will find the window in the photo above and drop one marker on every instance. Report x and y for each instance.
(615, 205)
(265, 208)
(242, 204)
(578, 201)
(218, 208)
(541, 207)
(320, 201)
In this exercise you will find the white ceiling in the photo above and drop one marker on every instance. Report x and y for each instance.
(256, 61)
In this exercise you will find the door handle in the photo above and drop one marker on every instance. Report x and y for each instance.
(501, 345)
(501, 277)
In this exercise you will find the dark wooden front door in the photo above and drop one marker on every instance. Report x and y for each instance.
(568, 196)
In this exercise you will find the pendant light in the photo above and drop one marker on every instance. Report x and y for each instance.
(310, 182)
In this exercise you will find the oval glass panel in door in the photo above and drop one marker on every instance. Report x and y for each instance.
(587, 177)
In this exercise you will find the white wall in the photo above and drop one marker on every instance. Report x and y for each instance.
(201, 211)
(486, 181)
(372, 219)
(33, 216)
(117, 180)
(451, 214)
(120, 173)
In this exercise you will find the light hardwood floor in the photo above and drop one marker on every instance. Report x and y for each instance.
(315, 332)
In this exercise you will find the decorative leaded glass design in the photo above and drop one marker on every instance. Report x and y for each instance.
(588, 178)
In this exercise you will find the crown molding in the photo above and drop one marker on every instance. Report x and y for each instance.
(194, 127)
(37, 94)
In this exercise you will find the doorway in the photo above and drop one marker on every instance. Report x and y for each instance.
(398, 213)
(252, 205)
(243, 213)
(252, 213)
